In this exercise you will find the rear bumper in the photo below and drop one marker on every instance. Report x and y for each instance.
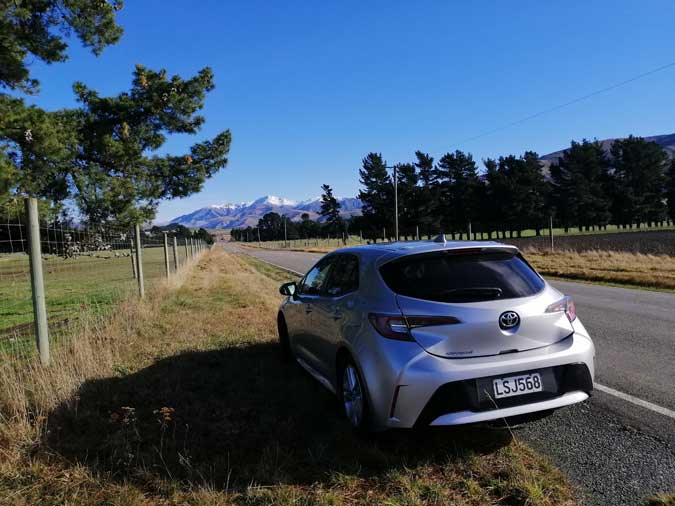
(463, 417)
(403, 381)
(461, 402)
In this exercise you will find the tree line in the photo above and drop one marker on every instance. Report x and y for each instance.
(587, 188)
(181, 232)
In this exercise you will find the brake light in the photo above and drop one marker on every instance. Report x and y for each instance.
(463, 251)
(565, 304)
(429, 321)
(398, 327)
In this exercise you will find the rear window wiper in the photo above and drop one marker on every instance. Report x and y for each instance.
(477, 292)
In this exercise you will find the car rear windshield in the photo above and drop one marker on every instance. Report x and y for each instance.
(458, 276)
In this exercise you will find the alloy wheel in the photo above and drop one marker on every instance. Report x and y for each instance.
(352, 395)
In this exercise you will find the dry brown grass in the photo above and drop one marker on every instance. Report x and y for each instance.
(632, 269)
(181, 399)
(662, 500)
(306, 249)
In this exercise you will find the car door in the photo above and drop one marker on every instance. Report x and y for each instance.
(333, 309)
(309, 290)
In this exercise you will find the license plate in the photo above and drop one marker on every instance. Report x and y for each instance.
(517, 385)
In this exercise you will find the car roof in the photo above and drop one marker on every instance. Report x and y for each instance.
(388, 251)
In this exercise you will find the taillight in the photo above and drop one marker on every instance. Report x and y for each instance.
(565, 304)
(391, 327)
(398, 327)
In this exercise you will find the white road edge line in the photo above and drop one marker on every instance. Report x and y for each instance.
(638, 402)
(282, 268)
(277, 266)
(626, 397)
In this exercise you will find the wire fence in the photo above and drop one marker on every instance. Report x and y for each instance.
(86, 271)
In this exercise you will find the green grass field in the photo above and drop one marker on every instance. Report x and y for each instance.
(86, 283)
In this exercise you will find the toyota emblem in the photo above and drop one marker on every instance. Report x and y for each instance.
(508, 320)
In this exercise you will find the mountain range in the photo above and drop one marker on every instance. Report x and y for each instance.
(246, 214)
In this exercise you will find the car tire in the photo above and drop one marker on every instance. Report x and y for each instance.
(353, 396)
(284, 342)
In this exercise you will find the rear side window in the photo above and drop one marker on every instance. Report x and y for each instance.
(451, 276)
(345, 277)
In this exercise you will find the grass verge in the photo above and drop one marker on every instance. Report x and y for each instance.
(607, 267)
(181, 399)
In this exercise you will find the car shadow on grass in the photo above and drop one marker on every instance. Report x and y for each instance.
(234, 417)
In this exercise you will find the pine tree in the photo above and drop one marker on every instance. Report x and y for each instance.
(35, 154)
(308, 228)
(330, 210)
(670, 190)
(638, 181)
(38, 29)
(117, 173)
(499, 209)
(429, 218)
(490, 210)
(520, 191)
(377, 196)
(578, 190)
(35, 145)
(410, 199)
(425, 167)
(271, 227)
(456, 182)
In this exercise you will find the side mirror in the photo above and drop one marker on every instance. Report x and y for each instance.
(288, 289)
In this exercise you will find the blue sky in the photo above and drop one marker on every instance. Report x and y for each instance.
(308, 88)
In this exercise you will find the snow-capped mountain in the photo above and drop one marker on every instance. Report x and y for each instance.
(246, 214)
(273, 200)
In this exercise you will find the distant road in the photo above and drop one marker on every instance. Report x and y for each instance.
(618, 450)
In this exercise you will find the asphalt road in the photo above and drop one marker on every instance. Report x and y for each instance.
(617, 451)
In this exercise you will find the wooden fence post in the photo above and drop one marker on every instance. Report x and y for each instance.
(139, 260)
(37, 281)
(133, 257)
(175, 254)
(166, 256)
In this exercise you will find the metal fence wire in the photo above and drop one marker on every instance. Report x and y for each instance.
(86, 271)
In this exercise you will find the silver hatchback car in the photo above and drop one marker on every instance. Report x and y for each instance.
(436, 333)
